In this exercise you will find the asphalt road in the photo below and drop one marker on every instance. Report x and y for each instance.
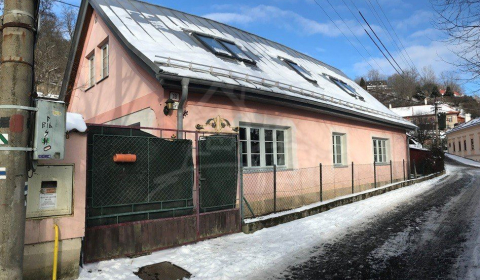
(434, 236)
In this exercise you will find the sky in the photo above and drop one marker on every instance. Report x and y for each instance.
(333, 30)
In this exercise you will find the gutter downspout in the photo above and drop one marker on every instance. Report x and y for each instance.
(408, 157)
(183, 99)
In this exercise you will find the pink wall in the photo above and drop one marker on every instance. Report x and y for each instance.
(72, 226)
(127, 81)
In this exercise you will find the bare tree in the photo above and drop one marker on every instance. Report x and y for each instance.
(374, 75)
(460, 20)
(451, 79)
(69, 18)
(404, 86)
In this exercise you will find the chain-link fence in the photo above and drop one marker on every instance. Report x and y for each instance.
(271, 190)
(163, 180)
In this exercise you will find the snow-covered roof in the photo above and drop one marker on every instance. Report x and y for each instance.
(422, 110)
(162, 39)
(462, 126)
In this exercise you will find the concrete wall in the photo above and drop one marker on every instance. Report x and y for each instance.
(458, 138)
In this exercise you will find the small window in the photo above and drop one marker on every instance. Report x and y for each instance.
(459, 146)
(339, 150)
(473, 145)
(240, 55)
(213, 45)
(262, 146)
(105, 58)
(297, 68)
(464, 145)
(91, 71)
(454, 146)
(380, 150)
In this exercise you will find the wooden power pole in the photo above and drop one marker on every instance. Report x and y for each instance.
(16, 84)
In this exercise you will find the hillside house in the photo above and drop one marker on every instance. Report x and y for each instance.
(421, 114)
(464, 140)
(135, 64)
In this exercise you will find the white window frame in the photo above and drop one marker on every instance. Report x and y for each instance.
(339, 143)
(105, 56)
(262, 141)
(91, 70)
(381, 150)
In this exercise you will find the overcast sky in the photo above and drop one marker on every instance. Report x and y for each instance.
(304, 26)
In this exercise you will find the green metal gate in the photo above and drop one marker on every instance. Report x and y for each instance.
(158, 184)
(218, 170)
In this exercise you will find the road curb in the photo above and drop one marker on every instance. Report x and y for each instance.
(251, 227)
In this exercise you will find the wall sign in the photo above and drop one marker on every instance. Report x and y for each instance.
(3, 173)
(4, 139)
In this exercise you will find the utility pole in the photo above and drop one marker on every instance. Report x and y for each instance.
(16, 72)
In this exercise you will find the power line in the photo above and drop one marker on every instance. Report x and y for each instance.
(380, 41)
(65, 3)
(343, 34)
(382, 52)
(379, 18)
(354, 34)
(396, 35)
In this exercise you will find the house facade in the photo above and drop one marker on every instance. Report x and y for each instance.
(423, 114)
(464, 140)
(137, 64)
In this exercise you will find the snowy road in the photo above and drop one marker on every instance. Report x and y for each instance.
(434, 235)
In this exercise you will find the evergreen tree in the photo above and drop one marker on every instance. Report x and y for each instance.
(435, 92)
(448, 92)
(363, 84)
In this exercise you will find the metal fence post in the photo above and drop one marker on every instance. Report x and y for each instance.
(197, 184)
(274, 188)
(375, 173)
(403, 166)
(321, 183)
(391, 172)
(353, 179)
(240, 173)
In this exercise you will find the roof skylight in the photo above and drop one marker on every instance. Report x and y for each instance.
(297, 68)
(223, 48)
(213, 45)
(237, 51)
(345, 87)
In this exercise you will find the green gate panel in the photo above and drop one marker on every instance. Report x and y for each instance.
(158, 185)
(218, 172)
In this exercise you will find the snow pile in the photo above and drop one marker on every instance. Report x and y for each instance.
(463, 160)
(265, 252)
(76, 121)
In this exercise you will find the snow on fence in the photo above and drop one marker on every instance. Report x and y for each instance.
(273, 190)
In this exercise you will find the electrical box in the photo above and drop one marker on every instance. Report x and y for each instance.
(49, 141)
(50, 191)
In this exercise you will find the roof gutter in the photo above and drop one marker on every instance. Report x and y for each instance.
(302, 103)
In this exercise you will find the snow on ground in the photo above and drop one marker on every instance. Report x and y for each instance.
(463, 160)
(249, 256)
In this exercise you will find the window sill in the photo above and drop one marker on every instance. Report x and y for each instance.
(260, 169)
(382, 163)
(102, 79)
(340, 166)
(89, 88)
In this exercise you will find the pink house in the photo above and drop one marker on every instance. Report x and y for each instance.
(130, 58)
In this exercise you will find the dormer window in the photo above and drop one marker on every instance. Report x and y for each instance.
(345, 87)
(223, 48)
(297, 68)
